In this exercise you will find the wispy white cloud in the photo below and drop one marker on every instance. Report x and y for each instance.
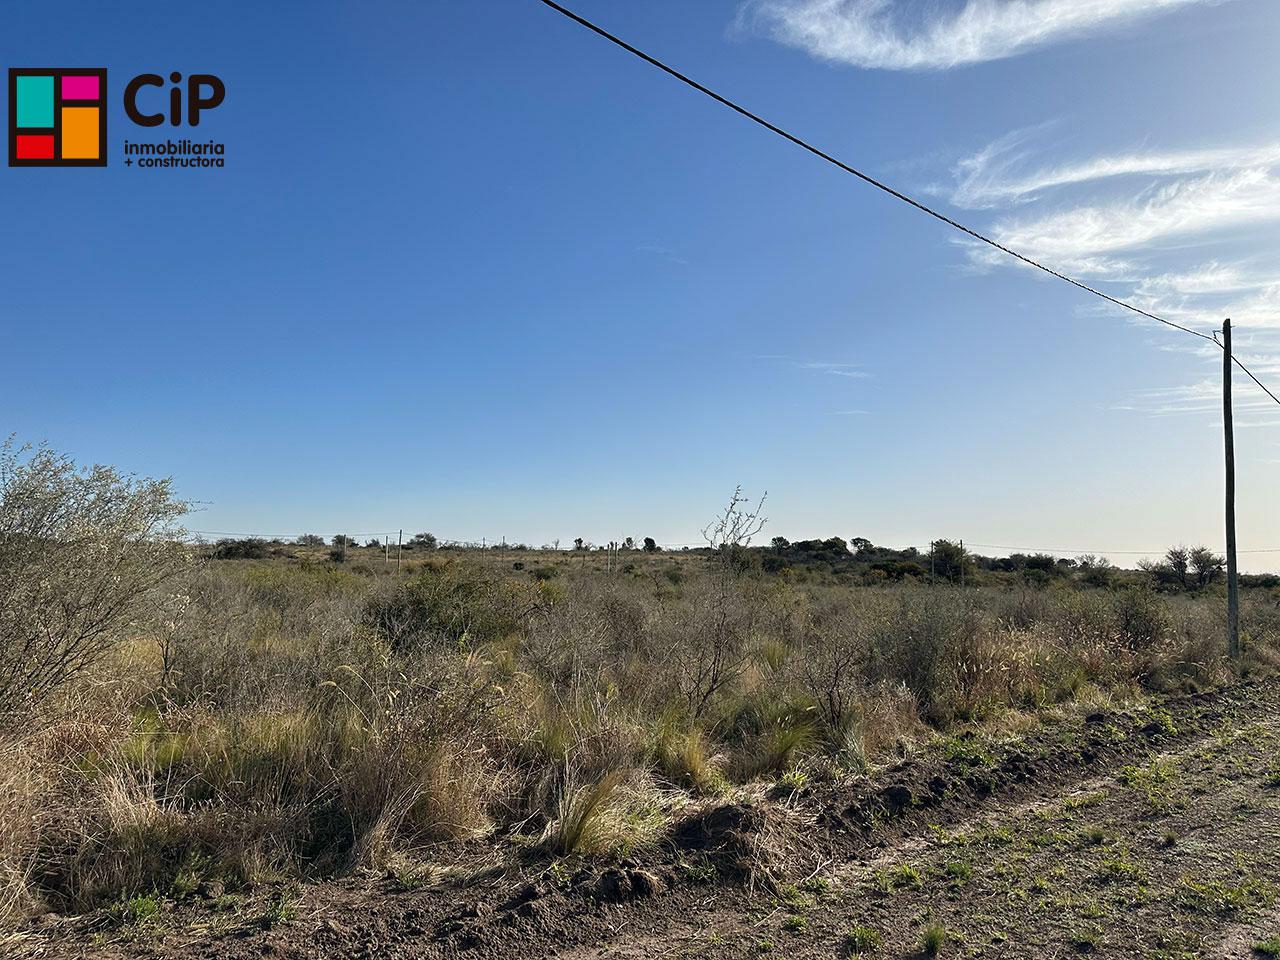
(1208, 278)
(1186, 207)
(1186, 234)
(1251, 299)
(1202, 397)
(926, 36)
(853, 371)
(994, 176)
(835, 369)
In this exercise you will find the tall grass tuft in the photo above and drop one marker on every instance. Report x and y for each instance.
(585, 822)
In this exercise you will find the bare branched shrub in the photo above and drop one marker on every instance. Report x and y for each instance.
(706, 640)
(573, 644)
(918, 640)
(1141, 620)
(79, 550)
(740, 523)
(834, 658)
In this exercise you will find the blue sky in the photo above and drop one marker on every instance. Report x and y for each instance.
(471, 270)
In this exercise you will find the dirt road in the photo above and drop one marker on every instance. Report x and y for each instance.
(1142, 833)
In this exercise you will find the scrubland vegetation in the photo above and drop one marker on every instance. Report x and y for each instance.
(178, 717)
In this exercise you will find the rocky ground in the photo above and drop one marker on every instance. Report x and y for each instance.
(1150, 832)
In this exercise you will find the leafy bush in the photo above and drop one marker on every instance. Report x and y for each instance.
(450, 601)
(250, 548)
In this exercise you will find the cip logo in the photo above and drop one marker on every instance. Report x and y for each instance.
(57, 117)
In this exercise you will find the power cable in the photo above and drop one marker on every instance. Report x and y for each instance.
(1133, 553)
(880, 185)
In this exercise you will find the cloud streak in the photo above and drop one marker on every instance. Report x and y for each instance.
(1192, 207)
(853, 371)
(850, 370)
(886, 35)
(1139, 211)
(1144, 223)
(1252, 409)
(990, 177)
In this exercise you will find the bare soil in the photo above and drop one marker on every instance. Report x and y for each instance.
(1152, 832)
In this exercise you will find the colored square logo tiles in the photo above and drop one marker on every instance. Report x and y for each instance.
(57, 117)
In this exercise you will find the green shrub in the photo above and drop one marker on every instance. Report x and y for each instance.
(450, 602)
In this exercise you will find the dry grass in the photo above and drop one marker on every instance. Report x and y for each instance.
(285, 721)
(583, 820)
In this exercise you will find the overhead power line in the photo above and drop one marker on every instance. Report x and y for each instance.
(880, 185)
(241, 534)
(1265, 389)
(1079, 552)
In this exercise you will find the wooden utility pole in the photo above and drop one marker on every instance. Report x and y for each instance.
(399, 547)
(1228, 427)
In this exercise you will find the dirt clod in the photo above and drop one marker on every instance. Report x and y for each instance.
(897, 796)
(645, 884)
(613, 886)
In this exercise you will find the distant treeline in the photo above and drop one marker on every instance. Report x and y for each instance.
(1182, 569)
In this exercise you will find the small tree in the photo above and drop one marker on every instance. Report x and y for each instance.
(949, 560)
(650, 545)
(578, 543)
(423, 541)
(1095, 571)
(1177, 559)
(80, 549)
(1185, 569)
(1206, 566)
(629, 543)
(311, 540)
